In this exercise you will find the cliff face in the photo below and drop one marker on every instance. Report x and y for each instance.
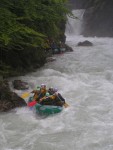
(98, 17)
(98, 21)
(78, 4)
(8, 99)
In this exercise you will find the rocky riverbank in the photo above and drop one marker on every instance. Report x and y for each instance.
(8, 99)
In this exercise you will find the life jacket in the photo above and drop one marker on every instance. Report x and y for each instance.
(58, 98)
(51, 100)
(36, 93)
(42, 94)
(52, 97)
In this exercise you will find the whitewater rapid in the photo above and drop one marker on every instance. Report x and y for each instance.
(85, 79)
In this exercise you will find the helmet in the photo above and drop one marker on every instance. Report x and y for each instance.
(47, 94)
(38, 87)
(43, 86)
(51, 88)
(55, 89)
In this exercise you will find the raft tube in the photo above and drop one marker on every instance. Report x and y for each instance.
(47, 109)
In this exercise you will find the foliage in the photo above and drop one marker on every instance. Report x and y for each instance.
(28, 23)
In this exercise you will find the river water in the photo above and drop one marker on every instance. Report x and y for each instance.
(85, 79)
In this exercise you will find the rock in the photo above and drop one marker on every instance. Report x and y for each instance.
(68, 48)
(85, 43)
(8, 99)
(50, 59)
(98, 20)
(20, 85)
(1, 78)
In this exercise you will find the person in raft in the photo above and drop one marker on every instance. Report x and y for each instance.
(42, 92)
(54, 99)
(55, 90)
(36, 92)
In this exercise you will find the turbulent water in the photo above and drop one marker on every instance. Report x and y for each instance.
(85, 79)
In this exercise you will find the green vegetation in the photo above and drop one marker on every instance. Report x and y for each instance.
(25, 26)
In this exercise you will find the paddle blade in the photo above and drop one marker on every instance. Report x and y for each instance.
(66, 105)
(25, 95)
(31, 104)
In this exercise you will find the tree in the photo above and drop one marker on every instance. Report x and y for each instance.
(25, 24)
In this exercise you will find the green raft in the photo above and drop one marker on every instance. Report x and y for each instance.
(47, 109)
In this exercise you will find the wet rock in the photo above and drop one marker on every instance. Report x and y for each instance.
(20, 85)
(50, 59)
(8, 99)
(68, 48)
(85, 43)
(98, 19)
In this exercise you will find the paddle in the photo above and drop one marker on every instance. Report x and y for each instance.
(34, 102)
(65, 104)
(31, 104)
(25, 95)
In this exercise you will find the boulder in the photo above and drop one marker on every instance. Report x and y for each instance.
(20, 85)
(8, 99)
(68, 48)
(85, 43)
(50, 59)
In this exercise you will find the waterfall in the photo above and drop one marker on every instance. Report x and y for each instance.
(74, 26)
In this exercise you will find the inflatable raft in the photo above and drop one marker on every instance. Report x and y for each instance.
(45, 109)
